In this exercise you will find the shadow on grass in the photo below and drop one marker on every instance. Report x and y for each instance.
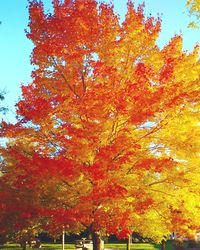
(43, 246)
(10, 247)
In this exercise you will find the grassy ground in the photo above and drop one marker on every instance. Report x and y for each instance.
(139, 246)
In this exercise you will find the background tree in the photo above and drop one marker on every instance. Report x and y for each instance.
(19, 214)
(98, 140)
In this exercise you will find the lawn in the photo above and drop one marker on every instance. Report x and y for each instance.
(139, 246)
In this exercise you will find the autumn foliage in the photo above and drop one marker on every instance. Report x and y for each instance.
(107, 130)
(194, 11)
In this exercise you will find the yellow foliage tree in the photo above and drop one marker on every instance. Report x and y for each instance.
(108, 136)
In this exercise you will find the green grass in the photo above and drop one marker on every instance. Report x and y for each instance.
(139, 246)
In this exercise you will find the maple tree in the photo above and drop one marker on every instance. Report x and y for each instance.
(107, 134)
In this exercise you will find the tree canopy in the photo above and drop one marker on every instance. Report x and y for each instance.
(107, 135)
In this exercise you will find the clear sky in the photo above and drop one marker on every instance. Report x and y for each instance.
(15, 48)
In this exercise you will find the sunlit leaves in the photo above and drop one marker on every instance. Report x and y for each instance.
(194, 10)
(108, 136)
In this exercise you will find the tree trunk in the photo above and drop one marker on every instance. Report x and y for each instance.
(163, 245)
(128, 243)
(179, 245)
(96, 238)
(23, 244)
(63, 239)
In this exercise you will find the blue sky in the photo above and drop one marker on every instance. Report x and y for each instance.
(15, 48)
